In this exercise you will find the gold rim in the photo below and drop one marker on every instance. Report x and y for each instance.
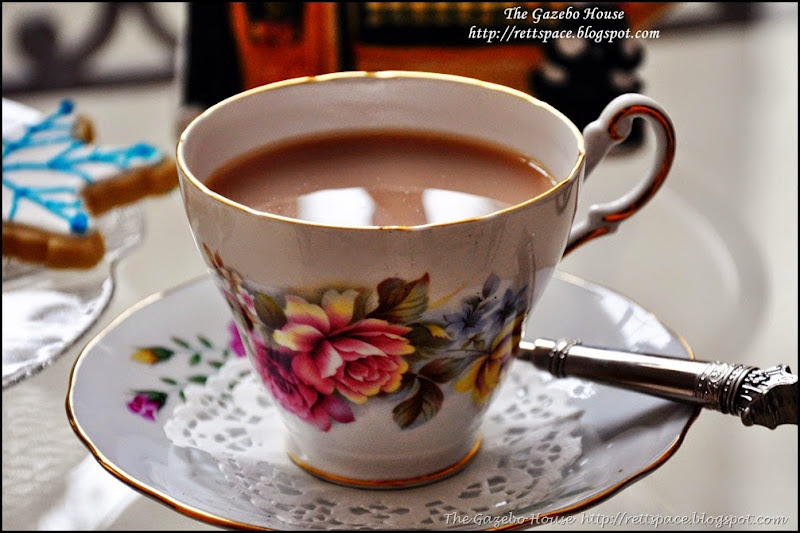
(212, 519)
(390, 483)
(388, 74)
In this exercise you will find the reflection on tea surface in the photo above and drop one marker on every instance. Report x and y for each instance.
(359, 206)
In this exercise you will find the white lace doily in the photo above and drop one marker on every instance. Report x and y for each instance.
(529, 438)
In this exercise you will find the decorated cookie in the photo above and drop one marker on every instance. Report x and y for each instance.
(56, 181)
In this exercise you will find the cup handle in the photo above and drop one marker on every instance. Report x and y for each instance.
(611, 128)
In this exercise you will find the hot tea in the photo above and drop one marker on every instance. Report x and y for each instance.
(384, 178)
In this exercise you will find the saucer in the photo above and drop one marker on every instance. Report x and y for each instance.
(144, 374)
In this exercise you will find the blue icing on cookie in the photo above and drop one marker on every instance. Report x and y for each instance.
(66, 107)
(70, 158)
(79, 223)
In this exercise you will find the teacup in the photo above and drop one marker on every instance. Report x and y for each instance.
(384, 345)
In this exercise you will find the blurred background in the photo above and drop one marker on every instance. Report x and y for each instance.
(714, 255)
(62, 45)
(213, 52)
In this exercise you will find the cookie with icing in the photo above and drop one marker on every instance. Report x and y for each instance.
(57, 181)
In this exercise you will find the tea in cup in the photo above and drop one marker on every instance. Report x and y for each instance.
(380, 238)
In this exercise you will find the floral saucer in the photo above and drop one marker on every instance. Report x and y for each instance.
(166, 402)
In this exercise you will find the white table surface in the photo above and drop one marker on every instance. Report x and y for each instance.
(714, 256)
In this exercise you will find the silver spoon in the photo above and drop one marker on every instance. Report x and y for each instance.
(761, 397)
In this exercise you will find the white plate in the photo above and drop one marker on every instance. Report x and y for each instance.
(46, 310)
(624, 435)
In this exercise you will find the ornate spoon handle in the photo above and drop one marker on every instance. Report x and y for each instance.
(763, 397)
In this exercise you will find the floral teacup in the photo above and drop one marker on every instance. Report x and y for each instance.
(385, 345)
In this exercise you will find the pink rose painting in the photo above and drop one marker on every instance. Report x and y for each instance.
(147, 404)
(321, 353)
(297, 397)
(332, 351)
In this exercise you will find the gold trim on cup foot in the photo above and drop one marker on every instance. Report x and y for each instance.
(386, 484)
